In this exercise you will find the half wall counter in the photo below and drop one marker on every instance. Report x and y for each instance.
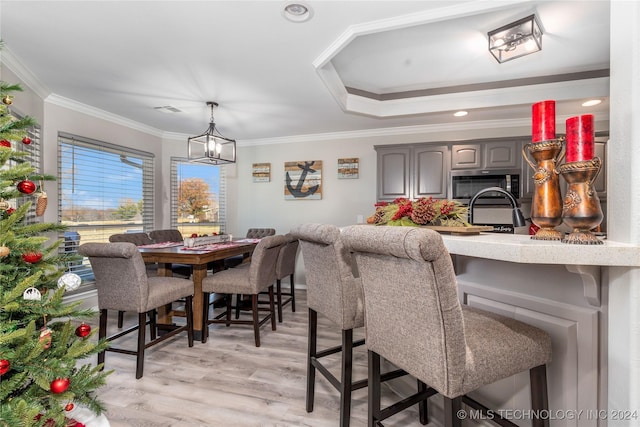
(561, 288)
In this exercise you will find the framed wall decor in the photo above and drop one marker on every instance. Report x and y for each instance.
(348, 168)
(303, 180)
(261, 172)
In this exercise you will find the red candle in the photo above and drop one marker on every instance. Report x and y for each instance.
(543, 121)
(580, 138)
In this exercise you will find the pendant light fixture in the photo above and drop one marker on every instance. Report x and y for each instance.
(211, 148)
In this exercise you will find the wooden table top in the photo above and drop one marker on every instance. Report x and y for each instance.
(195, 256)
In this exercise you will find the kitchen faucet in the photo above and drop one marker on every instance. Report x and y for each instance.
(516, 214)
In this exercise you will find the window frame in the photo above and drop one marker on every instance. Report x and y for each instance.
(86, 149)
(220, 225)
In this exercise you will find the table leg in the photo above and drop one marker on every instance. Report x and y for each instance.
(199, 273)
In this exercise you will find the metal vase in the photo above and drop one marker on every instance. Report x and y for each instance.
(581, 209)
(546, 205)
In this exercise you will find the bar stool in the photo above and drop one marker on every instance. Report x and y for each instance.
(334, 292)
(415, 321)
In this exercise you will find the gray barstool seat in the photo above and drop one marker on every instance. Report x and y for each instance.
(252, 233)
(415, 321)
(123, 285)
(248, 279)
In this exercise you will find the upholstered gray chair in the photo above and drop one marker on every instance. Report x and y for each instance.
(123, 285)
(172, 235)
(169, 235)
(137, 239)
(414, 319)
(252, 233)
(334, 292)
(248, 279)
(286, 267)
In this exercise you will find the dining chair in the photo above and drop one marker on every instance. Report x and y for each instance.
(414, 320)
(122, 284)
(252, 233)
(247, 279)
(285, 267)
(172, 235)
(138, 239)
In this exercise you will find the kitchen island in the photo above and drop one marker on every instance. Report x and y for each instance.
(560, 288)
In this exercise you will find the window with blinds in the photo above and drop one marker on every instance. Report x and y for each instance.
(104, 189)
(198, 202)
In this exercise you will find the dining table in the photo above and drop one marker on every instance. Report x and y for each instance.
(199, 257)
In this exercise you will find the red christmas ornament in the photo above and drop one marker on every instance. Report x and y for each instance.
(5, 365)
(5, 143)
(59, 385)
(26, 140)
(26, 186)
(69, 407)
(10, 211)
(32, 257)
(83, 330)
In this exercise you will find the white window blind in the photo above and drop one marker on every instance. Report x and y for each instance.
(104, 189)
(198, 197)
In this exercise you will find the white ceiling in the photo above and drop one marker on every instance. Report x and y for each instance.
(274, 78)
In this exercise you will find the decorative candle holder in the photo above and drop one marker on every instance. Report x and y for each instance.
(546, 205)
(581, 209)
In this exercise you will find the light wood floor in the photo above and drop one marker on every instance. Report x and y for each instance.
(229, 382)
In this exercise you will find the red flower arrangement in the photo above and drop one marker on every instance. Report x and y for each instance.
(423, 211)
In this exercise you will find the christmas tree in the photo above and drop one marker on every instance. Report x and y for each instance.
(42, 342)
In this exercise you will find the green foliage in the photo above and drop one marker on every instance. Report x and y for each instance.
(127, 210)
(25, 395)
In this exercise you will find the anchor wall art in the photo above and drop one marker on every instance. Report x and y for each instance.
(303, 180)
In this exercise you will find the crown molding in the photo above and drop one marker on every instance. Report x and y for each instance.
(79, 107)
(391, 131)
(27, 77)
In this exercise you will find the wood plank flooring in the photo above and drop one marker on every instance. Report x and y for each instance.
(230, 382)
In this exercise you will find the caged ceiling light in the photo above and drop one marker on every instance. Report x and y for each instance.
(211, 147)
(517, 39)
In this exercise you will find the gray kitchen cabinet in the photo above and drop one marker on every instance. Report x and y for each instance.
(505, 155)
(412, 171)
(466, 156)
(394, 175)
(430, 171)
(486, 155)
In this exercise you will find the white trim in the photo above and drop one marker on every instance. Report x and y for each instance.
(71, 104)
(23, 73)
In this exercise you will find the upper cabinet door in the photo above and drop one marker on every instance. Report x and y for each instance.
(505, 155)
(431, 171)
(600, 183)
(466, 156)
(393, 172)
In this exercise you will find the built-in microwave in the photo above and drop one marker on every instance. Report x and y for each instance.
(464, 184)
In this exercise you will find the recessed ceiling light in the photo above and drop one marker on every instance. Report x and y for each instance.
(591, 102)
(460, 113)
(296, 11)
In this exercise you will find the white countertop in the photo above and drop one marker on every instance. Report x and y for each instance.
(522, 249)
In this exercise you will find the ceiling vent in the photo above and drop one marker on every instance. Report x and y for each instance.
(168, 109)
